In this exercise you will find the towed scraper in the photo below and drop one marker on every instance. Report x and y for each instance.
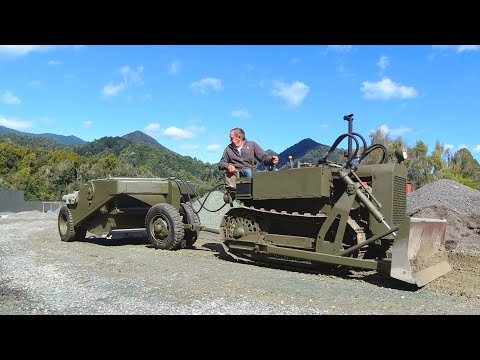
(161, 206)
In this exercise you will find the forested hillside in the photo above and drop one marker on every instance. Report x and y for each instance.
(47, 171)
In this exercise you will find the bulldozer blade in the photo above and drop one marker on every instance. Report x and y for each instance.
(418, 252)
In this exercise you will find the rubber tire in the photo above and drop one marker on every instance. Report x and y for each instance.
(65, 224)
(174, 223)
(189, 217)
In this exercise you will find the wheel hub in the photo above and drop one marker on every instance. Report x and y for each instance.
(160, 229)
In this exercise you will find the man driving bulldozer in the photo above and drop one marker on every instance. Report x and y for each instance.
(239, 156)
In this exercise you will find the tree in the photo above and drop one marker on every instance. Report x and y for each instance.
(463, 168)
(437, 163)
(419, 169)
(379, 137)
(467, 166)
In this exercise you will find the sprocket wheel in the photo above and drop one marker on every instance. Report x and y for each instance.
(241, 224)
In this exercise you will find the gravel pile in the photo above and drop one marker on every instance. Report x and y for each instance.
(457, 203)
(448, 193)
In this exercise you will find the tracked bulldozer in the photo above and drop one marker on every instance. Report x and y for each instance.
(339, 213)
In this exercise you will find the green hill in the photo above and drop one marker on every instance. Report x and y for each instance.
(67, 140)
(141, 137)
(307, 150)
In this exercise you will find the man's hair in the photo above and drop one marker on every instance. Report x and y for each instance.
(238, 132)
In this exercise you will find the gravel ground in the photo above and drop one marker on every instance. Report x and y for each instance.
(39, 274)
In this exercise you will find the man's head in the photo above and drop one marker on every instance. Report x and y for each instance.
(237, 136)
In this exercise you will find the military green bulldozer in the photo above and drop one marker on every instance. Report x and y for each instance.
(346, 214)
(159, 205)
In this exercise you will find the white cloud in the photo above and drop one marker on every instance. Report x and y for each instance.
(340, 48)
(113, 90)
(202, 86)
(448, 147)
(383, 62)
(293, 94)
(476, 149)
(457, 48)
(129, 77)
(241, 113)
(10, 99)
(295, 61)
(386, 89)
(174, 67)
(399, 131)
(132, 76)
(213, 147)
(323, 126)
(147, 97)
(174, 132)
(151, 128)
(22, 50)
(462, 146)
(87, 123)
(188, 147)
(177, 133)
(54, 62)
(189, 132)
(463, 48)
(15, 123)
(384, 129)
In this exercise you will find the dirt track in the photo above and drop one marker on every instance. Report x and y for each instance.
(39, 274)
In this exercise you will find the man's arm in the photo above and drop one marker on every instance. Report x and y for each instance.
(262, 156)
(224, 161)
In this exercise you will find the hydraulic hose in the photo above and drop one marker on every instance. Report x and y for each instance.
(363, 140)
(179, 180)
(373, 147)
(323, 159)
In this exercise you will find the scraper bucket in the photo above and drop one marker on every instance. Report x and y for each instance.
(418, 252)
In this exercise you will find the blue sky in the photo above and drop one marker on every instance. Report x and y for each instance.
(189, 97)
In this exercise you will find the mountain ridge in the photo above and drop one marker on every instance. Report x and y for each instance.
(137, 136)
(63, 139)
(302, 151)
